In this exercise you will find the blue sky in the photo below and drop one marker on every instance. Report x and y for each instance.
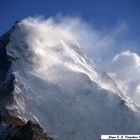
(102, 13)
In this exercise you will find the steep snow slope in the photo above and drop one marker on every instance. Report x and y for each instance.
(58, 86)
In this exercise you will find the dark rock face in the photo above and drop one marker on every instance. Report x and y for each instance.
(6, 77)
(4, 61)
(6, 118)
(11, 127)
(29, 131)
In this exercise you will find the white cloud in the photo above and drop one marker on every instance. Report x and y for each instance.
(125, 69)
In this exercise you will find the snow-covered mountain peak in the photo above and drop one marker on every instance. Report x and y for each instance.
(58, 86)
(46, 47)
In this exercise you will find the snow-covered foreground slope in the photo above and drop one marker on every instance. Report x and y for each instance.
(58, 86)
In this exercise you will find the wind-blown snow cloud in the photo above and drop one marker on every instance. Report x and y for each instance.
(96, 43)
(103, 46)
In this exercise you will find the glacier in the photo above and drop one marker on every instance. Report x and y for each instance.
(55, 84)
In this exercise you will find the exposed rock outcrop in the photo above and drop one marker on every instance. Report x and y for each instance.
(29, 131)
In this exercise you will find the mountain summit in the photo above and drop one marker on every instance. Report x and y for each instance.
(45, 77)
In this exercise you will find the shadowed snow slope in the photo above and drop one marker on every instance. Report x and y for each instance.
(58, 86)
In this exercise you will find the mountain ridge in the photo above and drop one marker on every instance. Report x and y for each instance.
(57, 87)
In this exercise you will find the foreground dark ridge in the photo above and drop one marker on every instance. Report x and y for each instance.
(11, 127)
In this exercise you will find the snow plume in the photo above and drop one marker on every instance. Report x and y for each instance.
(95, 42)
(52, 47)
(46, 38)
